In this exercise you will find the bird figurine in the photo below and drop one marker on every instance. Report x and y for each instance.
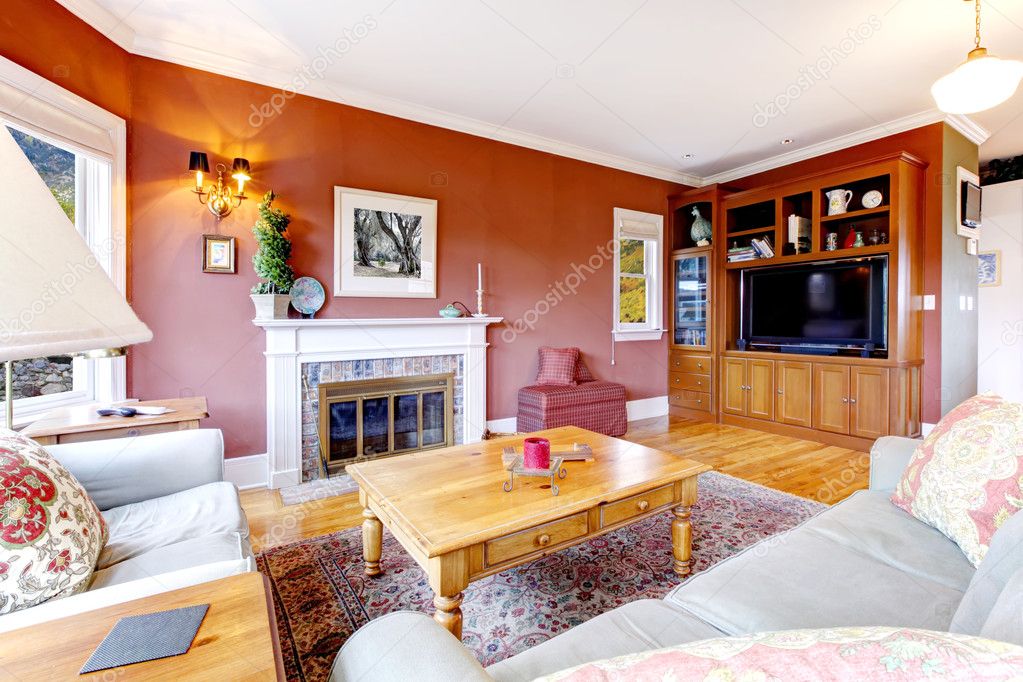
(701, 231)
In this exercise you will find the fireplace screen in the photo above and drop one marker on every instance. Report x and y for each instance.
(379, 417)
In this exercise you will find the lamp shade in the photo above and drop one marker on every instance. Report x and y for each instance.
(240, 169)
(56, 298)
(197, 161)
(981, 82)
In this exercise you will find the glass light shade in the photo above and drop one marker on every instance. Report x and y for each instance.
(981, 82)
(57, 298)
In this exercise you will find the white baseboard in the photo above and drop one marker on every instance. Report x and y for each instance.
(636, 409)
(647, 408)
(246, 472)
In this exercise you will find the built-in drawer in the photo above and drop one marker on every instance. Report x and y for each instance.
(637, 505)
(509, 547)
(689, 399)
(683, 381)
(692, 364)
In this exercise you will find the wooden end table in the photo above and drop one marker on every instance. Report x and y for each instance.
(81, 423)
(448, 508)
(237, 638)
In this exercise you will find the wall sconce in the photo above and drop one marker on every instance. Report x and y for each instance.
(219, 198)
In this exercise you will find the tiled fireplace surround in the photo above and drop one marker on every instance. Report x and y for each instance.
(315, 373)
(352, 349)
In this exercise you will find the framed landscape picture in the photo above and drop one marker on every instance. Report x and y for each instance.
(384, 244)
(218, 253)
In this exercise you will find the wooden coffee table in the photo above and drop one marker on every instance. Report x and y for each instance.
(448, 508)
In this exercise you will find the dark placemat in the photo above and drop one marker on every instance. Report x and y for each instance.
(146, 638)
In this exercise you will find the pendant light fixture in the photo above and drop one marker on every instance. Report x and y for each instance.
(981, 82)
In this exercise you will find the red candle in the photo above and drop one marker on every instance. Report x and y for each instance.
(536, 453)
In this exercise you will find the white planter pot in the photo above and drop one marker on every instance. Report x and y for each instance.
(271, 306)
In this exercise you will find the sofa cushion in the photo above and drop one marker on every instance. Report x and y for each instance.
(51, 533)
(844, 567)
(1005, 620)
(198, 551)
(557, 366)
(636, 626)
(876, 653)
(966, 478)
(582, 372)
(1003, 560)
(141, 527)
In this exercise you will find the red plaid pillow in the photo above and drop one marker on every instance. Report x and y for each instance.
(557, 366)
(582, 372)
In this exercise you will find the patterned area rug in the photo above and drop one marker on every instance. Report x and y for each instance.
(321, 594)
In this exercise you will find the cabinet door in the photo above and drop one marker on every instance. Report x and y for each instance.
(691, 300)
(733, 386)
(760, 388)
(794, 393)
(831, 398)
(868, 402)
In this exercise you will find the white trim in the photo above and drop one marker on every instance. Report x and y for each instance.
(246, 472)
(638, 335)
(104, 21)
(963, 124)
(645, 408)
(653, 256)
(506, 425)
(108, 378)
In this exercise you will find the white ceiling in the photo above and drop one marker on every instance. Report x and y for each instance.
(636, 84)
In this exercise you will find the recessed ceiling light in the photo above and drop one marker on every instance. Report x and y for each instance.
(687, 156)
(787, 140)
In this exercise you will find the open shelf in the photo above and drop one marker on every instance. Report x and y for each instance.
(815, 256)
(754, 232)
(853, 215)
(682, 224)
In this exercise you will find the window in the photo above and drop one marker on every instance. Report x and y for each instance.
(78, 150)
(638, 292)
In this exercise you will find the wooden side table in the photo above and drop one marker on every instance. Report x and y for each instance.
(237, 639)
(81, 423)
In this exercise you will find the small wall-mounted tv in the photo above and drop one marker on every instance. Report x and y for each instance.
(832, 305)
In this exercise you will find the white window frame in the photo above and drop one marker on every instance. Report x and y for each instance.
(101, 213)
(652, 227)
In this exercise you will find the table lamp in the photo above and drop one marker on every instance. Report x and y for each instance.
(55, 298)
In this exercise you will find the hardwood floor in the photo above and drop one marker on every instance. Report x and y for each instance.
(821, 472)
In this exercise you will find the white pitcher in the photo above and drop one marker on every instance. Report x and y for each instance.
(838, 201)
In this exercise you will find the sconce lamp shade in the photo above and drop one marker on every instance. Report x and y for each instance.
(240, 170)
(197, 161)
(56, 297)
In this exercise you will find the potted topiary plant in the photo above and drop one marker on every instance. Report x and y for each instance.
(270, 296)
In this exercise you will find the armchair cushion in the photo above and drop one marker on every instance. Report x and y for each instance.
(143, 527)
(126, 470)
(51, 533)
(888, 459)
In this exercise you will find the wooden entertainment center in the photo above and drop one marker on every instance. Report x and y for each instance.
(841, 396)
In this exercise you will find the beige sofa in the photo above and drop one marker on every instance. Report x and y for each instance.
(173, 520)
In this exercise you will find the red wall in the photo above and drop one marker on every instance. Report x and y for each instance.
(925, 143)
(526, 215)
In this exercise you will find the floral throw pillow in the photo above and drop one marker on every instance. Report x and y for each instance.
(868, 653)
(51, 533)
(557, 366)
(965, 478)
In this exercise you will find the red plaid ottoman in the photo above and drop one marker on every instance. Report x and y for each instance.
(595, 405)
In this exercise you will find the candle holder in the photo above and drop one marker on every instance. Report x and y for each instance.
(479, 304)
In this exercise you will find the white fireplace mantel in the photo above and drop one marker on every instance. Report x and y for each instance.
(291, 343)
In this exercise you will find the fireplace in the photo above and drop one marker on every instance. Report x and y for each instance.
(367, 419)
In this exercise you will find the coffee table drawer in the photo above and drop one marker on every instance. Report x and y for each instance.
(532, 540)
(637, 505)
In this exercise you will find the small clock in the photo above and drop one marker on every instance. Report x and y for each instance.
(872, 199)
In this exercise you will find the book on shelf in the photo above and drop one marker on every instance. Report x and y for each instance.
(762, 247)
(799, 229)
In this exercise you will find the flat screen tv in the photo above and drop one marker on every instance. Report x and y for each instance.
(828, 305)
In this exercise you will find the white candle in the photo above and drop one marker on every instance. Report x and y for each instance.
(479, 276)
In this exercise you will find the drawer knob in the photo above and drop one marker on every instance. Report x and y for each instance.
(642, 505)
(543, 540)
(852, 400)
(698, 401)
(699, 365)
(845, 400)
(699, 383)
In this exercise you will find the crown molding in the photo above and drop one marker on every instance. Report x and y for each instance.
(103, 20)
(120, 33)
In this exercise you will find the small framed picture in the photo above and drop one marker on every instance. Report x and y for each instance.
(218, 254)
(989, 268)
